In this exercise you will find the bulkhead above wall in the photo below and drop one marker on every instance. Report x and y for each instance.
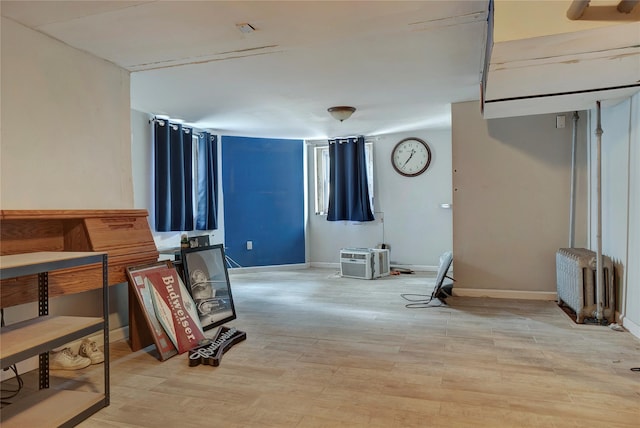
(539, 61)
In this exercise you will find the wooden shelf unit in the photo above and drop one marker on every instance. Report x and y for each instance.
(52, 407)
(39, 335)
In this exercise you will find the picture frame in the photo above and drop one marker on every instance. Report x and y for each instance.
(136, 275)
(207, 279)
(199, 241)
(175, 309)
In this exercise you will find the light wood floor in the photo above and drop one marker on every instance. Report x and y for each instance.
(325, 351)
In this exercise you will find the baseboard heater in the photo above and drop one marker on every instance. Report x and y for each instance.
(364, 263)
(576, 283)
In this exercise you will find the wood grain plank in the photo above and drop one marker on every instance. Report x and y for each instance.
(325, 351)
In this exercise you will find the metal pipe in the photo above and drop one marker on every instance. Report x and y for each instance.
(572, 209)
(577, 8)
(599, 285)
(626, 6)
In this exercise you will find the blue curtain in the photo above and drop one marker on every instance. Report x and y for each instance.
(173, 177)
(348, 186)
(207, 201)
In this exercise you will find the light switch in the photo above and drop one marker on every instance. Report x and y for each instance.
(560, 121)
(249, 245)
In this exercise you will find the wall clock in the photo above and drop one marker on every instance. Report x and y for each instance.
(411, 157)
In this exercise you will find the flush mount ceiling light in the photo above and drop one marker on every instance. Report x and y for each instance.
(341, 112)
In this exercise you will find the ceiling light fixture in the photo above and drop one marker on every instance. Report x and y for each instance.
(341, 112)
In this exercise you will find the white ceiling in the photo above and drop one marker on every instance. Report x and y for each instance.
(401, 64)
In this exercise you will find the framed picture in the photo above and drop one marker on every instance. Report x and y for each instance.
(175, 309)
(199, 241)
(205, 272)
(137, 275)
(168, 308)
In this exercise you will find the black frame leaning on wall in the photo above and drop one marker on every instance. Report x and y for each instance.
(207, 279)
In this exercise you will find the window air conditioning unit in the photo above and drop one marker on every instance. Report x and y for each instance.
(364, 263)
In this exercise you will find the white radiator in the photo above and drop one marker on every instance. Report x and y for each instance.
(364, 263)
(576, 283)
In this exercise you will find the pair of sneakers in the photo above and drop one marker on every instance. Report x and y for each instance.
(65, 359)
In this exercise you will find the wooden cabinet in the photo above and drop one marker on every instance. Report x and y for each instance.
(42, 333)
(123, 234)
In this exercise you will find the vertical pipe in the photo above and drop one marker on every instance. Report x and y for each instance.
(599, 285)
(572, 210)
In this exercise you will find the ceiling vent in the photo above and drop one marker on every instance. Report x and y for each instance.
(245, 28)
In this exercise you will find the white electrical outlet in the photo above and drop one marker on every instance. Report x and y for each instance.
(560, 121)
(249, 245)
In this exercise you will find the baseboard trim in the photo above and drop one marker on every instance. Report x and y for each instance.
(416, 268)
(631, 326)
(505, 294)
(419, 268)
(116, 334)
(324, 265)
(269, 268)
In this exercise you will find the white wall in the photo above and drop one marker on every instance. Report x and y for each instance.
(141, 159)
(408, 214)
(64, 144)
(65, 141)
(631, 305)
(416, 228)
(511, 199)
(65, 126)
(620, 200)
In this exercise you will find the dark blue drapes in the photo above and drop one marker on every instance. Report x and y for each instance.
(207, 200)
(348, 186)
(173, 177)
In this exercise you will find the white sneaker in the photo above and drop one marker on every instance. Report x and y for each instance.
(89, 349)
(67, 360)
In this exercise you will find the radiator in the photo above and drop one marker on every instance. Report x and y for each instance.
(576, 283)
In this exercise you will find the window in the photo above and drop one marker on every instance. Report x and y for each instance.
(321, 160)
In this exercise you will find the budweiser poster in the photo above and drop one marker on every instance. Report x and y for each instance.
(137, 275)
(175, 309)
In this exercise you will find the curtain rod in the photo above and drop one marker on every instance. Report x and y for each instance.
(326, 141)
(187, 128)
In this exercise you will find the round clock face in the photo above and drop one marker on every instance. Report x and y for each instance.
(411, 157)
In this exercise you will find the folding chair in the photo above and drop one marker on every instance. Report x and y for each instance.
(442, 289)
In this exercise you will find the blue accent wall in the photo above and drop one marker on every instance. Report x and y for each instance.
(263, 185)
